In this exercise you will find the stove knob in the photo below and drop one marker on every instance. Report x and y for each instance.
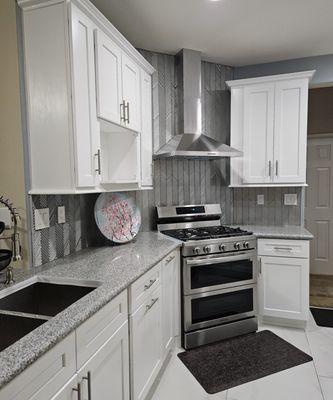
(222, 247)
(207, 249)
(196, 250)
(246, 245)
(237, 246)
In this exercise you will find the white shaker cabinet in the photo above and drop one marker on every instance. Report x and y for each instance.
(269, 124)
(83, 100)
(86, 129)
(146, 348)
(69, 391)
(169, 296)
(131, 93)
(106, 375)
(108, 79)
(146, 131)
(258, 132)
(283, 280)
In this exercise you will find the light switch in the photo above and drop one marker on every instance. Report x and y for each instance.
(42, 218)
(61, 215)
(260, 199)
(290, 199)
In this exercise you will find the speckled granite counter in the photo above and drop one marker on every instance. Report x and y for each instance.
(115, 267)
(279, 232)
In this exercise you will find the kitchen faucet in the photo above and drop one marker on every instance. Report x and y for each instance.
(15, 237)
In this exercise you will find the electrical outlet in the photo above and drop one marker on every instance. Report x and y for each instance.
(290, 199)
(42, 218)
(260, 199)
(61, 215)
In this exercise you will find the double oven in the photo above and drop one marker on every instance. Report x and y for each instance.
(218, 277)
(219, 296)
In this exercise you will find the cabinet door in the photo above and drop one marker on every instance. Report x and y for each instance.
(168, 302)
(291, 103)
(68, 392)
(84, 98)
(107, 372)
(108, 78)
(258, 133)
(131, 93)
(146, 131)
(284, 287)
(146, 336)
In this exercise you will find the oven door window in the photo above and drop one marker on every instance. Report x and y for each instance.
(221, 273)
(221, 305)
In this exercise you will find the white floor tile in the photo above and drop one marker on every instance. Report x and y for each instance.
(327, 387)
(178, 383)
(321, 344)
(298, 383)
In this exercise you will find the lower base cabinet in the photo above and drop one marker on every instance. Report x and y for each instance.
(146, 345)
(283, 280)
(97, 361)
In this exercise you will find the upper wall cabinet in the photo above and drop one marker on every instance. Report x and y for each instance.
(269, 124)
(87, 109)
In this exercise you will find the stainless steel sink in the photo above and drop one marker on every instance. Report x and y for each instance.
(44, 298)
(29, 304)
(14, 327)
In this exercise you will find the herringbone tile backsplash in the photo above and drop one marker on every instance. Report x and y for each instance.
(175, 181)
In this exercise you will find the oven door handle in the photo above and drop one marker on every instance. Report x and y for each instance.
(213, 260)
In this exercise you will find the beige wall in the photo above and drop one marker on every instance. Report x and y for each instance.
(11, 147)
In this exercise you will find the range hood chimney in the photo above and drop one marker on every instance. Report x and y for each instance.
(193, 143)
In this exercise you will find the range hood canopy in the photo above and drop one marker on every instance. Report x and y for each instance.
(193, 143)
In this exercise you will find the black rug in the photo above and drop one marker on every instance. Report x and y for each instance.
(323, 316)
(242, 359)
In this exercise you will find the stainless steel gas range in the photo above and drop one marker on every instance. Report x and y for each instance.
(219, 273)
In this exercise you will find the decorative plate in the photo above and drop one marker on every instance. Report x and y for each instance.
(117, 216)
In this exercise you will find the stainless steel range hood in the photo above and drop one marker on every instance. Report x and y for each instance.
(192, 143)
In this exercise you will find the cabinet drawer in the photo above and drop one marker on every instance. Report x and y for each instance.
(142, 288)
(283, 248)
(93, 333)
(45, 376)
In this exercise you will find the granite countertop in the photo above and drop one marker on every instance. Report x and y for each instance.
(279, 232)
(114, 267)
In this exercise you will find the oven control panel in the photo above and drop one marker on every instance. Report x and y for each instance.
(216, 246)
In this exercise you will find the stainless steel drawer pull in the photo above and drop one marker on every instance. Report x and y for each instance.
(150, 284)
(277, 168)
(128, 114)
(283, 248)
(168, 260)
(78, 390)
(98, 155)
(88, 378)
(122, 111)
(149, 306)
(270, 168)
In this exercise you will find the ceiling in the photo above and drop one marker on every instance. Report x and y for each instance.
(232, 32)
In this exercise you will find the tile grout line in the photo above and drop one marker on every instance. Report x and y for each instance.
(314, 365)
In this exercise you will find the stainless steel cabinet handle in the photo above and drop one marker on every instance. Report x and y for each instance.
(168, 260)
(149, 306)
(150, 284)
(283, 248)
(78, 390)
(122, 111)
(88, 379)
(128, 113)
(277, 168)
(270, 168)
(98, 155)
(259, 266)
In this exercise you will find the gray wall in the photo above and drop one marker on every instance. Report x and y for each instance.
(175, 181)
(322, 64)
